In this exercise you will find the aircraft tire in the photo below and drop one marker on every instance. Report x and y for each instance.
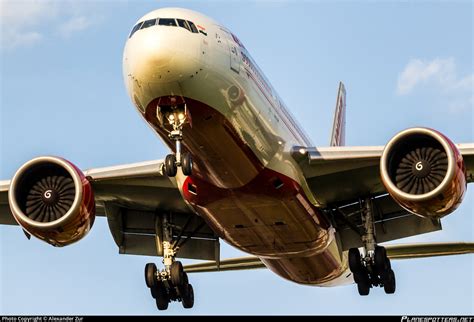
(363, 287)
(188, 298)
(355, 263)
(382, 263)
(170, 165)
(177, 274)
(187, 163)
(150, 274)
(162, 299)
(389, 285)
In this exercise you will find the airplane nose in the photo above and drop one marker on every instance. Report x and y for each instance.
(162, 54)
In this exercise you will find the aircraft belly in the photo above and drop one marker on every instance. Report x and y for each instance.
(260, 210)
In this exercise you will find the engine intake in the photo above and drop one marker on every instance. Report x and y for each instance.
(424, 172)
(52, 200)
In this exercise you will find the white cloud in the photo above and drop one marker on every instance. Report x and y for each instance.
(438, 72)
(18, 18)
(75, 24)
(27, 22)
(27, 38)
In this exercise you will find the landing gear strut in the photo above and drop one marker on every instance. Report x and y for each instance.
(372, 267)
(170, 283)
(176, 117)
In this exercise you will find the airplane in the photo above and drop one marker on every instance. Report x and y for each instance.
(242, 170)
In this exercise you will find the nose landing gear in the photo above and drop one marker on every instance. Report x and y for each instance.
(180, 159)
(177, 117)
(372, 268)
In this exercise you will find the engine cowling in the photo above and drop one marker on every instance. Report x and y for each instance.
(424, 172)
(51, 199)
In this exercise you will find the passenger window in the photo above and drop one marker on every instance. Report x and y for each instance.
(167, 22)
(182, 23)
(148, 23)
(137, 26)
(193, 27)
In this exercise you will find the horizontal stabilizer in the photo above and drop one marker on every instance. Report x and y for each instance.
(231, 264)
(403, 251)
(406, 251)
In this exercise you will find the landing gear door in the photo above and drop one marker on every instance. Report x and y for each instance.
(234, 54)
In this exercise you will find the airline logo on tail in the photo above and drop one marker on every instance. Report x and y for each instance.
(338, 135)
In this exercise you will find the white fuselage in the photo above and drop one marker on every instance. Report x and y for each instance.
(245, 143)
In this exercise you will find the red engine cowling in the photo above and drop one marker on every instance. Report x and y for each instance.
(424, 172)
(52, 200)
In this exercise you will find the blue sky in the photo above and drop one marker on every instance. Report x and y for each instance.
(62, 93)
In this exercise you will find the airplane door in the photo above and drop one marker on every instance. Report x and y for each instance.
(234, 54)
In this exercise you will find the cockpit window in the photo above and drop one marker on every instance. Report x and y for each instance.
(148, 23)
(167, 22)
(182, 23)
(193, 27)
(186, 24)
(137, 26)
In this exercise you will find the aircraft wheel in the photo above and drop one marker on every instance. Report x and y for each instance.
(389, 285)
(150, 274)
(363, 287)
(170, 165)
(381, 261)
(355, 263)
(188, 298)
(187, 163)
(177, 274)
(154, 291)
(162, 299)
(184, 286)
(360, 277)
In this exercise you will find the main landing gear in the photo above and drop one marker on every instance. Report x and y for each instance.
(372, 267)
(171, 283)
(176, 117)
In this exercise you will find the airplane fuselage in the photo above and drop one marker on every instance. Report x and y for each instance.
(245, 184)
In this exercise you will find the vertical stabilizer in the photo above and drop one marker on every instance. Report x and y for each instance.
(338, 134)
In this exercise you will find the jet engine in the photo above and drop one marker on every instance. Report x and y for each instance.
(51, 199)
(424, 172)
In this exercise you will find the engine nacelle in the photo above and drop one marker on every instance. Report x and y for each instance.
(52, 200)
(424, 172)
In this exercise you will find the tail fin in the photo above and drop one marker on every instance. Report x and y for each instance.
(338, 135)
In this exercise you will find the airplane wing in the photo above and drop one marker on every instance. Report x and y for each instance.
(402, 251)
(130, 196)
(339, 176)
